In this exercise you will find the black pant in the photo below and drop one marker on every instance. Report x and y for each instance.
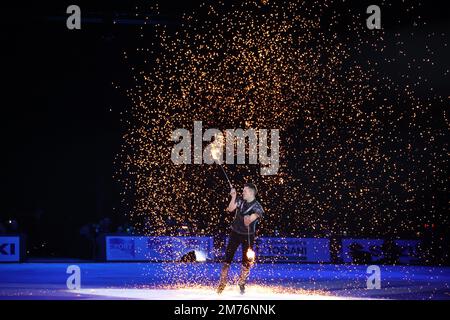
(234, 241)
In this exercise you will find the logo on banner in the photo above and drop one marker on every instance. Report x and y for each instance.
(294, 249)
(122, 247)
(8, 249)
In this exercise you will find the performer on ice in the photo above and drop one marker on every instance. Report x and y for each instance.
(248, 212)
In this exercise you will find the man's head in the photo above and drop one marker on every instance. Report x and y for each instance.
(249, 192)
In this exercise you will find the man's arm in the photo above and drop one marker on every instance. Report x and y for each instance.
(232, 205)
(250, 218)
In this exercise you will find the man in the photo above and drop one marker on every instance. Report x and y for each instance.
(248, 212)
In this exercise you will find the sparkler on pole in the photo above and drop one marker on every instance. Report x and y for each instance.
(216, 152)
(226, 176)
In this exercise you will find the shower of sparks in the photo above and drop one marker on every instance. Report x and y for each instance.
(360, 153)
(217, 149)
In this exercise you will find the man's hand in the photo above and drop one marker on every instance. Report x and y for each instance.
(232, 206)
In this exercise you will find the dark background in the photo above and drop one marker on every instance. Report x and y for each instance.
(60, 113)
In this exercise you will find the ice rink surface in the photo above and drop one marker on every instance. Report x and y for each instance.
(196, 281)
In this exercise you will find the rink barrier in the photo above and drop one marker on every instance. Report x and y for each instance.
(268, 249)
(113, 247)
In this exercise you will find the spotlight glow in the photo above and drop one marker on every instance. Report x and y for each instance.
(200, 256)
(254, 292)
